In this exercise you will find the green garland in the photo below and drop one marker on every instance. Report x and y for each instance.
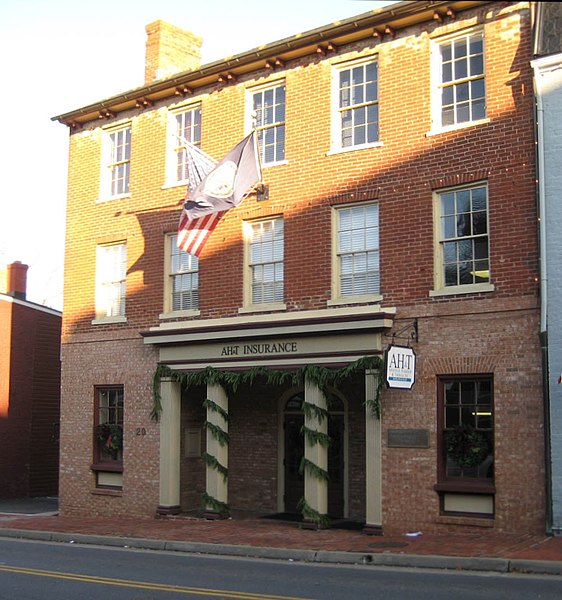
(219, 434)
(313, 469)
(323, 377)
(214, 407)
(313, 410)
(215, 464)
(310, 514)
(216, 505)
(316, 437)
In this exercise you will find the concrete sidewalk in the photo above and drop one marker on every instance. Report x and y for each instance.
(252, 536)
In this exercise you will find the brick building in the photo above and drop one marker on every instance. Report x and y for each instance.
(398, 208)
(29, 390)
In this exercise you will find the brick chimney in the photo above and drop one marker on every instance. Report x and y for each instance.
(170, 50)
(16, 280)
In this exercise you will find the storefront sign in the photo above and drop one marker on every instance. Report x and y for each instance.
(400, 367)
(259, 349)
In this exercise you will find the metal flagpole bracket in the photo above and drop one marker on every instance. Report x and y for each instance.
(262, 192)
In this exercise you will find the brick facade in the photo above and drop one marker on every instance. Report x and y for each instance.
(29, 393)
(481, 333)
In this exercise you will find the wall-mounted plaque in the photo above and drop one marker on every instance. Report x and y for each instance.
(408, 438)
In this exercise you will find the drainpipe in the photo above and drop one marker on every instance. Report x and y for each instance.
(539, 118)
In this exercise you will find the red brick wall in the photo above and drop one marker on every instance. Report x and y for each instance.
(496, 330)
(30, 367)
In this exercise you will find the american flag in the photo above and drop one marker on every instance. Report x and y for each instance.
(214, 189)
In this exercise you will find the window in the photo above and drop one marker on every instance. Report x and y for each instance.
(357, 105)
(109, 426)
(268, 111)
(461, 81)
(115, 179)
(463, 256)
(186, 128)
(357, 251)
(265, 255)
(183, 276)
(467, 429)
(111, 271)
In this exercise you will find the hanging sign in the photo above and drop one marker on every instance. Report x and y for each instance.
(400, 367)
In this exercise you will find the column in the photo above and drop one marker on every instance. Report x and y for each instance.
(217, 450)
(170, 434)
(373, 460)
(315, 487)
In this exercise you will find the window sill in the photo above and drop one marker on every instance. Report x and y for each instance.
(109, 467)
(174, 184)
(353, 148)
(109, 198)
(274, 164)
(107, 492)
(439, 130)
(366, 299)
(273, 307)
(478, 486)
(456, 290)
(179, 313)
(469, 521)
(109, 320)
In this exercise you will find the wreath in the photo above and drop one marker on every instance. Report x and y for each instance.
(111, 436)
(466, 446)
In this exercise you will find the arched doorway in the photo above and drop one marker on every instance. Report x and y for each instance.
(293, 421)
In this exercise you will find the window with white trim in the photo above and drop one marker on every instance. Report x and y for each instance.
(357, 259)
(117, 162)
(460, 80)
(183, 278)
(185, 127)
(268, 114)
(463, 253)
(111, 273)
(265, 262)
(356, 102)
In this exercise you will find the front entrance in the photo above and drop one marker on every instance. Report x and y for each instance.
(294, 452)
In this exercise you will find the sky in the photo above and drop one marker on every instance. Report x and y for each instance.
(60, 55)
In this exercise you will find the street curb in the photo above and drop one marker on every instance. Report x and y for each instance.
(417, 561)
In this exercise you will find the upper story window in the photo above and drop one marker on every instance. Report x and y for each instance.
(461, 80)
(265, 262)
(183, 278)
(186, 129)
(117, 162)
(111, 272)
(268, 112)
(356, 99)
(462, 243)
(356, 256)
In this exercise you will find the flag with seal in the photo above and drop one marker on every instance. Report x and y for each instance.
(221, 188)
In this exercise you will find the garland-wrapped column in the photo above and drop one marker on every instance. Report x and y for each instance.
(315, 454)
(216, 496)
(170, 429)
(373, 457)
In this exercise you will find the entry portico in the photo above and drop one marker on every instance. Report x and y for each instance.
(331, 338)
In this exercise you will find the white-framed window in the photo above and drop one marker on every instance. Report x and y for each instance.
(356, 261)
(182, 288)
(267, 109)
(459, 75)
(111, 273)
(462, 242)
(356, 104)
(116, 167)
(264, 245)
(185, 127)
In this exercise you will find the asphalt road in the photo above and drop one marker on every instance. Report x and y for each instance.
(51, 571)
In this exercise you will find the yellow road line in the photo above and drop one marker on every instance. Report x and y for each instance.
(163, 587)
